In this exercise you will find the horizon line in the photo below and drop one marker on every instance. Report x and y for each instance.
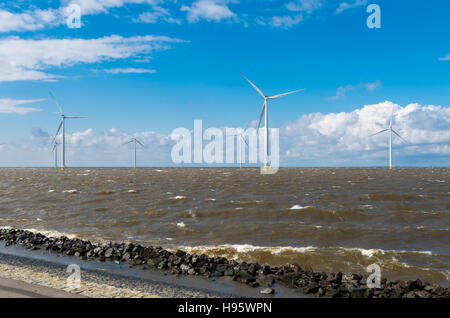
(219, 167)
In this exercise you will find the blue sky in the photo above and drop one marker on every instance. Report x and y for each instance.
(116, 71)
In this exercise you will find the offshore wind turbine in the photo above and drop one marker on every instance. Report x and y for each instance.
(264, 112)
(63, 126)
(391, 130)
(55, 149)
(240, 146)
(135, 146)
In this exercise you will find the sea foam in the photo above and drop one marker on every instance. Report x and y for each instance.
(299, 207)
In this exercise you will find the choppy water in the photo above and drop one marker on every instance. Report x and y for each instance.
(328, 219)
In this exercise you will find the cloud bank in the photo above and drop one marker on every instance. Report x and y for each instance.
(273, 13)
(342, 90)
(14, 106)
(344, 137)
(334, 139)
(24, 59)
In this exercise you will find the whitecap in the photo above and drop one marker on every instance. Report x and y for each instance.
(70, 191)
(299, 207)
(181, 224)
(374, 251)
(210, 199)
(53, 233)
(179, 197)
(132, 191)
(246, 248)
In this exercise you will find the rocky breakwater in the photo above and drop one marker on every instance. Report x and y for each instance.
(336, 285)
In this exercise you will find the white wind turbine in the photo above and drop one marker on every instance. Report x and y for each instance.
(391, 130)
(240, 147)
(135, 146)
(55, 149)
(63, 126)
(264, 111)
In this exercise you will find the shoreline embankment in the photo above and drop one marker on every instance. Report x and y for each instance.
(262, 277)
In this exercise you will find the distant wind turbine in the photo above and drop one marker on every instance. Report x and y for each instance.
(240, 146)
(266, 124)
(63, 126)
(135, 146)
(391, 130)
(55, 149)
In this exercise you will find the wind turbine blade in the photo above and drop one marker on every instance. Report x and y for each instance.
(128, 142)
(392, 116)
(57, 104)
(244, 139)
(261, 116)
(57, 132)
(399, 136)
(381, 131)
(257, 89)
(76, 117)
(139, 143)
(281, 95)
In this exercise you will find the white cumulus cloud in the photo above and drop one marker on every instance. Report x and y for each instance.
(28, 20)
(343, 6)
(210, 10)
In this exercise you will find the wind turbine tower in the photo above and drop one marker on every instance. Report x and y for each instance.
(242, 155)
(55, 149)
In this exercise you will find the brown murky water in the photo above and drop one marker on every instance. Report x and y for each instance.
(329, 219)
